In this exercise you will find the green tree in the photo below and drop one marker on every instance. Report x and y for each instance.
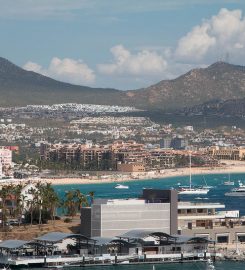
(5, 192)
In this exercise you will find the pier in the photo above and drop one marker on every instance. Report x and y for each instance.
(105, 259)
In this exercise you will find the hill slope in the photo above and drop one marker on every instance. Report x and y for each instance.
(21, 87)
(220, 81)
(227, 108)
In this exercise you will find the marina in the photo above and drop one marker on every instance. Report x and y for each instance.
(216, 194)
(77, 261)
(168, 257)
(134, 247)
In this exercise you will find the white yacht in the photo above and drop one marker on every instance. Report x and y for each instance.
(119, 186)
(191, 190)
(237, 192)
(229, 183)
(241, 184)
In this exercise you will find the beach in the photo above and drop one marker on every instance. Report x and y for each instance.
(228, 167)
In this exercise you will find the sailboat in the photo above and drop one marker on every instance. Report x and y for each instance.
(229, 182)
(206, 185)
(190, 190)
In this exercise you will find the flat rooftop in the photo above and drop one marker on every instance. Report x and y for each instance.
(119, 201)
(124, 202)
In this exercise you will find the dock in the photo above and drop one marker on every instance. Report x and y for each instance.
(59, 261)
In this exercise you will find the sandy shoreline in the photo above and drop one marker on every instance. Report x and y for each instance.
(229, 167)
(166, 174)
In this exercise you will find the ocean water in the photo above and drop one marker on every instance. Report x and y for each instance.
(216, 194)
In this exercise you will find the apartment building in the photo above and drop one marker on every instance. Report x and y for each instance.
(227, 153)
(118, 155)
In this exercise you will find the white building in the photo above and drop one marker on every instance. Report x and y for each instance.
(5, 160)
(155, 211)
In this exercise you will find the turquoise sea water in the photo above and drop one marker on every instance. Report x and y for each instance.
(216, 194)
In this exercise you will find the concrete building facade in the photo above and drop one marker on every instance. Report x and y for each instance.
(156, 210)
(227, 153)
(203, 220)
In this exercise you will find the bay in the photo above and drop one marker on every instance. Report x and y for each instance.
(215, 195)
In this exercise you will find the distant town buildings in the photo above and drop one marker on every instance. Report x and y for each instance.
(227, 153)
(124, 156)
(177, 143)
(5, 161)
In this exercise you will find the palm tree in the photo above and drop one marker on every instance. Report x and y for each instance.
(54, 203)
(22, 203)
(39, 197)
(16, 191)
(31, 203)
(70, 204)
(4, 194)
(50, 200)
(91, 196)
(81, 199)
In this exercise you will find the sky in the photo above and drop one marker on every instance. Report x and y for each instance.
(122, 44)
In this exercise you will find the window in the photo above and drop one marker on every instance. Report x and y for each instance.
(202, 235)
(241, 238)
(176, 248)
(223, 239)
(200, 223)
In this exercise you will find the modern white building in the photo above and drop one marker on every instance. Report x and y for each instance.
(155, 211)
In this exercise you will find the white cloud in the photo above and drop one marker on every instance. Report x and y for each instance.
(144, 62)
(213, 38)
(196, 43)
(31, 66)
(68, 70)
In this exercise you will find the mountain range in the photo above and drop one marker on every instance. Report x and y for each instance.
(218, 82)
